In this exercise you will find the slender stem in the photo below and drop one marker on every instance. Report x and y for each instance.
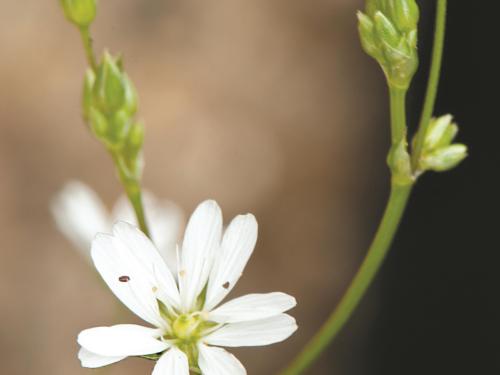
(394, 210)
(364, 277)
(132, 187)
(398, 114)
(135, 196)
(87, 45)
(432, 85)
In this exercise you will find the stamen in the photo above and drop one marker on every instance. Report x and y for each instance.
(124, 279)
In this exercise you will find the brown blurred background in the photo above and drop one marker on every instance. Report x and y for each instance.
(266, 106)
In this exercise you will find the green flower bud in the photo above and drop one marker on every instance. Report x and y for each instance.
(120, 128)
(365, 27)
(444, 158)
(130, 105)
(87, 98)
(436, 131)
(405, 14)
(135, 138)
(438, 152)
(385, 30)
(98, 123)
(110, 85)
(79, 12)
(388, 32)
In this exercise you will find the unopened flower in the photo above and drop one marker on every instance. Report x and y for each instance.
(80, 214)
(189, 325)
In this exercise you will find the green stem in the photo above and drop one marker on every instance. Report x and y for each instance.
(132, 187)
(364, 277)
(376, 253)
(87, 46)
(398, 114)
(432, 85)
(135, 196)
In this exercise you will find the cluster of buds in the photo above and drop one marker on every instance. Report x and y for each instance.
(79, 12)
(109, 106)
(388, 31)
(438, 152)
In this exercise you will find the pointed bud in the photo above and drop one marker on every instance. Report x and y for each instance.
(98, 123)
(136, 137)
(110, 86)
(88, 85)
(121, 127)
(79, 12)
(445, 158)
(385, 30)
(130, 105)
(365, 27)
(404, 14)
(436, 131)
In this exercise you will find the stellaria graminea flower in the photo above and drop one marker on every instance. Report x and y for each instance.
(80, 214)
(189, 328)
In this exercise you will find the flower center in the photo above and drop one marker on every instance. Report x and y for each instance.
(186, 326)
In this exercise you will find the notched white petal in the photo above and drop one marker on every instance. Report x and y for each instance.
(237, 246)
(172, 362)
(217, 361)
(121, 340)
(201, 241)
(253, 307)
(254, 333)
(92, 360)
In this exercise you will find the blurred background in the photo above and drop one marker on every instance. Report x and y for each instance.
(269, 107)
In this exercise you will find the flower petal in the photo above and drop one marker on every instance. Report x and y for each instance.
(172, 362)
(126, 278)
(142, 253)
(201, 241)
(79, 214)
(164, 219)
(121, 340)
(217, 361)
(237, 247)
(252, 307)
(255, 333)
(92, 360)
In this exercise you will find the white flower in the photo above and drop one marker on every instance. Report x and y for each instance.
(189, 327)
(80, 214)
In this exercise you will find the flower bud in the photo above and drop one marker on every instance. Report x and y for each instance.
(405, 14)
(385, 30)
(436, 131)
(365, 27)
(388, 32)
(79, 12)
(88, 85)
(438, 152)
(98, 123)
(135, 137)
(444, 158)
(110, 85)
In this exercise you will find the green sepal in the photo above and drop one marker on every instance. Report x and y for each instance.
(445, 158)
(110, 86)
(80, 12)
